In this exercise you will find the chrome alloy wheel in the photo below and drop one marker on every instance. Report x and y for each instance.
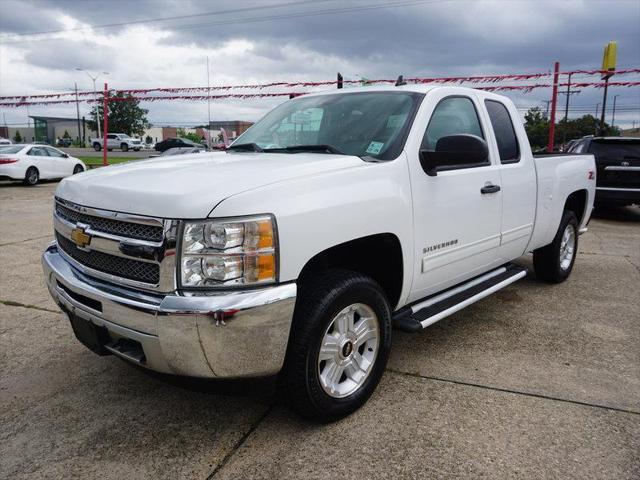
(348, 351)
(567, 247)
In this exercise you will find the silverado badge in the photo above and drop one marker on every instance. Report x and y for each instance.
(80, 238)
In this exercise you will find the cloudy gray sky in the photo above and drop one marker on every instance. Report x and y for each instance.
(165, 43)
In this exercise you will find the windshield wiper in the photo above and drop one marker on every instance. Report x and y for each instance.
(252, 147)
(307, 148)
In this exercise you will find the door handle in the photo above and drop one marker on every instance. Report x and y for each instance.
(490, 189)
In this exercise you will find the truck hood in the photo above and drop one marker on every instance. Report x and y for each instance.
(190, 186)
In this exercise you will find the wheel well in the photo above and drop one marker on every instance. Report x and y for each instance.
(378, 256)
(576, 202)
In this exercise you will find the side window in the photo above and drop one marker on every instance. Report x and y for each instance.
(111, 136)
(579, 148)
(504, 132)
(38, 152)
(53, 152)
(452, 116)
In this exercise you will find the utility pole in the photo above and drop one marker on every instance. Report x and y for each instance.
(554, 101)
(546, 112)
(604, 105)
(613, 117)
(566, 109)
(77, 111)
(596, 122)
(208, 105)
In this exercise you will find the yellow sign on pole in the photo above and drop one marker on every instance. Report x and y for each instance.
(609, 59)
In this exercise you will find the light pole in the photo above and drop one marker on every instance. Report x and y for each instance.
(613, 116)
(95, 92)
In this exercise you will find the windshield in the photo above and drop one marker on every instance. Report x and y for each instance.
(365, 124)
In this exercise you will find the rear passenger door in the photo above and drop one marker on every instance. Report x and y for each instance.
(518, 179)
(456, 225)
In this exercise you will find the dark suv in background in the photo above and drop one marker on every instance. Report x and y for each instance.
(177, 143)
(618, 168)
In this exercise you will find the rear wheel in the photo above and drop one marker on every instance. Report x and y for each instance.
(339, 345)
(554, 262)
(97, 147)
(32, 176)
(78, 169)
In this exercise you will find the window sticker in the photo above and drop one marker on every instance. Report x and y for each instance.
(374, 148)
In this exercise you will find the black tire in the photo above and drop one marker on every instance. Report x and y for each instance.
(319, 301)
(97, 147)
(124, 147)
(78, 169)
(547, 261)
(32, 176)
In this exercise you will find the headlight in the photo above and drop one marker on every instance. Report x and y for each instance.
(222, 253)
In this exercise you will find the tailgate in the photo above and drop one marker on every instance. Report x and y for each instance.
(617, 162)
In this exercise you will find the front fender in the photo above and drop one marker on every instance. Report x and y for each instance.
(320, 211)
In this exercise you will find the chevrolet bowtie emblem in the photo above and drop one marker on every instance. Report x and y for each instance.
(80, 238)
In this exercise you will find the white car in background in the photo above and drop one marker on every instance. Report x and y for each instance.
(5, 141)
(31, 163)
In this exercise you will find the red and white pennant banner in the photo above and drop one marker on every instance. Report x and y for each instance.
(24, 101)
(30, 99)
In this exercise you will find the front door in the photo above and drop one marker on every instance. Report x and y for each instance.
(59, 162)
(456, 225)
(42, 161)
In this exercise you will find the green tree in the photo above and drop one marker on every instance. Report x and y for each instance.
(537, 127)
(585, 125)
(194, 137)
(66, 134)
(17, 137)
(125, 115)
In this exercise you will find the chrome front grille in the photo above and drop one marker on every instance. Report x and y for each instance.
(139, 231)
(145, 272)
(124, 249)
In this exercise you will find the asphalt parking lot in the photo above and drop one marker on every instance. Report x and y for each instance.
(536, 381)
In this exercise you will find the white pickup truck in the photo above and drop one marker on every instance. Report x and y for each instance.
(335, 217)
(117, 140)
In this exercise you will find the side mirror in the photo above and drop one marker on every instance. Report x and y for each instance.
(65, 155)
(454, 151)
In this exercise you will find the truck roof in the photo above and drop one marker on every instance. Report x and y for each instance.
(418, 88)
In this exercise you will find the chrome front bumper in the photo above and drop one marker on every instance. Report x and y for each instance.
(225, 335)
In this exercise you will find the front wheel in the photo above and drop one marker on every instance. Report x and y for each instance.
(338, 347)
(97, 147)
(124, 147)
(554, 262)
(32, 176)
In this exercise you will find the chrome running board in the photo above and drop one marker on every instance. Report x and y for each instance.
(436, 307)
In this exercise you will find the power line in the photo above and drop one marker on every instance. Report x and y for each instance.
(163, 19)
(234, 21)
